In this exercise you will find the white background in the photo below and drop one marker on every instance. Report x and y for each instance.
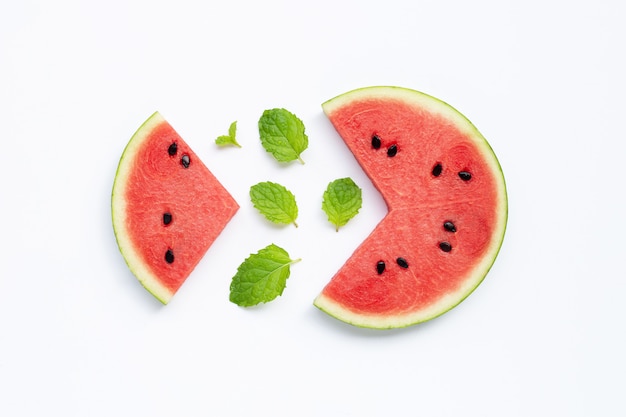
(544, 334)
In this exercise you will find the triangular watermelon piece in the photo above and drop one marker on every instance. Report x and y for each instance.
(447, 203)
(167, 207)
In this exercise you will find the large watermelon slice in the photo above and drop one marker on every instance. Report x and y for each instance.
(447, 208)
(167, 207)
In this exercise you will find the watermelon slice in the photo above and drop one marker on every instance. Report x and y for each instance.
(167, 208)
(447, 208)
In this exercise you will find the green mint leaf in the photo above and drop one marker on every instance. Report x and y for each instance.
(275, 202)
(342, 201)
(261, 277)
(231, 138)
(282, 135)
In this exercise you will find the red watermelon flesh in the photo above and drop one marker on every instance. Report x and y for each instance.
(167, 207)
(447, 204)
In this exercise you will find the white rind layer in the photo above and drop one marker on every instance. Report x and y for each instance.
(118, 212)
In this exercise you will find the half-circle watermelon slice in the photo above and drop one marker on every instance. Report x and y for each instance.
(167, 207)
(447, 208)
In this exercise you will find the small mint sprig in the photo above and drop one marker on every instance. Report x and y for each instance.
(231, 138)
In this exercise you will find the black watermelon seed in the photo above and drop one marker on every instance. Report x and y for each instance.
(392, 150)
(445, 246)
(402, 262)
(376, 142)
(465, 176)
(449, 226)
(185, 161)
(167, 218)
(380, 267)
(172, 149)
(437, 170)
(169, 256)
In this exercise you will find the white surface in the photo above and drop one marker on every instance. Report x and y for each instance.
(542, 336)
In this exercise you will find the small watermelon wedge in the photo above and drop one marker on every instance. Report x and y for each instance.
(447, 208)
(167, 207)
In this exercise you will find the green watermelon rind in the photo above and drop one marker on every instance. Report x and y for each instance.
(478, 274)
(118, 213)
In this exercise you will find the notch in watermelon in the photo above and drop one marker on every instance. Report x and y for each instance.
(447, 208)
(167, 207)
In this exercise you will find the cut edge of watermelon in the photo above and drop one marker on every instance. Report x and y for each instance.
(478, 274)
(118, 213)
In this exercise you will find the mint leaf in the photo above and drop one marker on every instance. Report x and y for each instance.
(342, 201)
(282, 135)
(275, 202)
(261, 277)
(231, 138)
